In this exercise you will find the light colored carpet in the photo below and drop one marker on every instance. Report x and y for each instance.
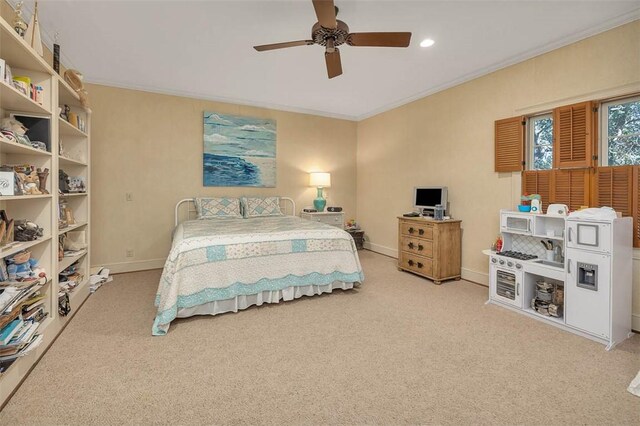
(397, 350)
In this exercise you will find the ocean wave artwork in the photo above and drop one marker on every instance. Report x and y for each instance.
(239, 151)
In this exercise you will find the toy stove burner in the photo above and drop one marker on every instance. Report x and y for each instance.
(517, 255)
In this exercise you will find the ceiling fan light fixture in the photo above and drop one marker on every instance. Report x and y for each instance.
(427, 42)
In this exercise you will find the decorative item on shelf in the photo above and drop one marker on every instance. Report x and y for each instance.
(56, 53)
(63, 182)
(32, 35)
(77, 185)
(19, 25)
(61, 239)
(65, 215)
(22, 267)
(530, 203)
(7, 183)
(14, 131)
(31, 183)
(22, 84)
(320, 180)
(26, 230)
(43, 175)
(74, 78)
(73, 119)
(7, 228)
(75, 241)
(64, 112)
(64, 306)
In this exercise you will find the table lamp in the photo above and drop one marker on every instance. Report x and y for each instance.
(320, 180)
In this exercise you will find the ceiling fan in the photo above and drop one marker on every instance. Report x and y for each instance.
(331, 33)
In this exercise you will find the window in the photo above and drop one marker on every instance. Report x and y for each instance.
(541, 142)
(620, 138)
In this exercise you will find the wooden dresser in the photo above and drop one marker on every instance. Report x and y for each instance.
(429, 248)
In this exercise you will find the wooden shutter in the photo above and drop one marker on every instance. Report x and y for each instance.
(573, 134)
(538, 182)
(636, 206)
(613, 187)
(509, 140)
(571, 187)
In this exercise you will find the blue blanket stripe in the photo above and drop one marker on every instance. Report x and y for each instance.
(265, 284)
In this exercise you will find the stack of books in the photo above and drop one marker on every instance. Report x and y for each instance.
(22, 310)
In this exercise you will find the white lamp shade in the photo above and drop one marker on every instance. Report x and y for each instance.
(320, 179)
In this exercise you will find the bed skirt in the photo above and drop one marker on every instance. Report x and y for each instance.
(241, 302)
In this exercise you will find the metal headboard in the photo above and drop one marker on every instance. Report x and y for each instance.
(190, 206)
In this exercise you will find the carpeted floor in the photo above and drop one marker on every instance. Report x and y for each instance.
(397, 350)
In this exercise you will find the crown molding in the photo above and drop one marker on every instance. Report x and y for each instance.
(626, 18)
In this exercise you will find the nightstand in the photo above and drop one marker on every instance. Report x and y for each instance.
(330, 218)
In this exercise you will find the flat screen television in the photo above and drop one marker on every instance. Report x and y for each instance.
(427, 197)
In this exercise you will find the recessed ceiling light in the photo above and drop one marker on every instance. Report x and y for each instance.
(427, 42)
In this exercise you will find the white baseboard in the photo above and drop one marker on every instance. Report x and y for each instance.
(475, 276)
(138, 265)
(387, 251)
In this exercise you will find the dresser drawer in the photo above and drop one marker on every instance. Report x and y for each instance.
(419, 230)
(416, 263)
(333, 219)
(417, 246)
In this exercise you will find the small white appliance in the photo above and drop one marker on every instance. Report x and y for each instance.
(515, 222)
(505, 281)
(557, 210)
(536, 206)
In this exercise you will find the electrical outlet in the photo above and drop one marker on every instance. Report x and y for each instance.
(129, 253)
(129, 196)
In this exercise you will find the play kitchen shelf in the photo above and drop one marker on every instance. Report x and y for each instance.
(582, 286)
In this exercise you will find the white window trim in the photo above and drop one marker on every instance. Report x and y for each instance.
(604, 128)
(530, 136)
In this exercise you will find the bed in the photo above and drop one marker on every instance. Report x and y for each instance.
(226, 264)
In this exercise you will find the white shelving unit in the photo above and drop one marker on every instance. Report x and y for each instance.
(43, 209)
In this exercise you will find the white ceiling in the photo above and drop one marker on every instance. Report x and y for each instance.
(204, 49)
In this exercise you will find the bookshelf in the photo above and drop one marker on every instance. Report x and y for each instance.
(44, 209)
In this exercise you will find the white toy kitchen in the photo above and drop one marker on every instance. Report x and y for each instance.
(574, 272)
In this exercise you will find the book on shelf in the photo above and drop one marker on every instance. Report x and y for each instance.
(9, 330)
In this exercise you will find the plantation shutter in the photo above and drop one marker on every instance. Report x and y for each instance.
(509, 144)
(571, 187)
(613, 187)
(538, 182)
(636, 206)
(573, 133)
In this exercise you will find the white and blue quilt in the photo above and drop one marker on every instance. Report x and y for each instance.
(219, 259)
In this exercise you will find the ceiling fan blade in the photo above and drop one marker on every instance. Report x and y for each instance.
(326, 13)
(379, 39)
(334, 65)
(274, 46)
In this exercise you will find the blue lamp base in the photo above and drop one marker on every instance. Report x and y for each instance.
(319, 203)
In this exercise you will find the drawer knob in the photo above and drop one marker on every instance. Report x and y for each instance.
(410, 230)
(420, 231)
(420, 247)
(420, 265)
(410, 262)
(410, 245)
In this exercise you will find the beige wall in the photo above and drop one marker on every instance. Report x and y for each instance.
(151, 145)
(447, 139)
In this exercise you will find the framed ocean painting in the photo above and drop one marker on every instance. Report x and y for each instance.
(239, 151)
